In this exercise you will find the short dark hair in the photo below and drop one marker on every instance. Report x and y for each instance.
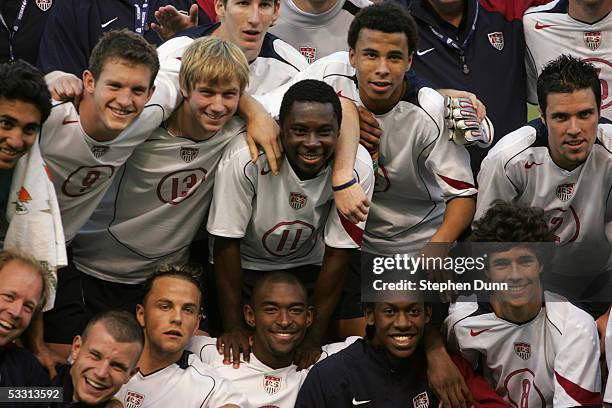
(190, 272)
(121, 325)
(276, 277)
(567, 74)
(21, 81)
(126, 45)
(310, 90)
(509, 224)
(386, 17)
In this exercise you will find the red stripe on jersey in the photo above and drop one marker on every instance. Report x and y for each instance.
(456, 184)
(579, 394)
(353, 230)
(47, 171)
(511, 10)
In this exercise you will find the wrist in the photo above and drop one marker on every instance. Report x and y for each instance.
(344, 186)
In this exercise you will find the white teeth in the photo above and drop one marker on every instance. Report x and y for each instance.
(6, 325)
(284, 334)
(10, 152)
(120, 111)
(95, 384)
(403, 339)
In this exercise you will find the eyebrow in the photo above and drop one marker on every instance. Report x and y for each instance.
(270, 303)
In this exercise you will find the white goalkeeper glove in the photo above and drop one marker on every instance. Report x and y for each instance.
(460, 117)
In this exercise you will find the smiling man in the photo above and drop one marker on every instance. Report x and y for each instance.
(23, 290)
(387, 368)
(104, 358)
(536, 348)
(25, 103)
(168, 375)
(280, 314)
(263, 223)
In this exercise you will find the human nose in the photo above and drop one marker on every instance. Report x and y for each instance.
(14, 138)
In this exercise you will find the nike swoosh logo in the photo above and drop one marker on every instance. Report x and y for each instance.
(540, 26)
(339, 93)
(67, 122)
(109, 22)
(529, 165)
(421, 53)
(355, 402)
(476, 333)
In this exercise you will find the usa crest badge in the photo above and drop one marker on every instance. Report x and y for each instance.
(133, 399)
(189, 153)
(44, 5)
(421, 400)
(564, 191)
(310, 53)
(592, 39)
(497, 40)
(23, 198)
(271, 384)
(99, 151)
(523, 350)
(297, 200)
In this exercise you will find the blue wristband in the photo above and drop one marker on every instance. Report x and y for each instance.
(345, 185)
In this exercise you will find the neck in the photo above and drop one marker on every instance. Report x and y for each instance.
(182, 123)
(589, 13)
(513, 314)
(274, 362)
(222, 33)
(383, 106)
(452, 14)
(90, 122)
(318, 7)
(153, 360)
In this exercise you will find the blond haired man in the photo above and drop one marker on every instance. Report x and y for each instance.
(23, 290)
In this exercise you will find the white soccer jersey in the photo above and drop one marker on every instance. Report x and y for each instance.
(155, 207)
(276, 64)
(552, 360)
(419, 168)
(281, 219)
(263, 386)
(550, 32)
(608, 390)
(188, 383)
(317, 35)
(82, 168)
(519, 169)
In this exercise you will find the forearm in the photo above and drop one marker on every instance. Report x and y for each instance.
(250, 109)
(346, 147)
(457, 217)
(228, 275)
(328, 290)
